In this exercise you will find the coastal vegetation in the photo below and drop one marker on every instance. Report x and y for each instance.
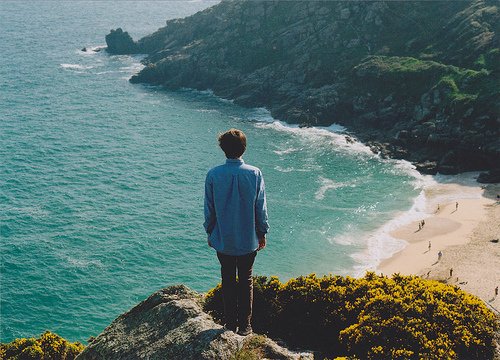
(48, 346)
(374, 317)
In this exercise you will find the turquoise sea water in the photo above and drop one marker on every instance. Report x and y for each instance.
(101, 181)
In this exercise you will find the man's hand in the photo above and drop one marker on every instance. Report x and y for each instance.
(262, 242)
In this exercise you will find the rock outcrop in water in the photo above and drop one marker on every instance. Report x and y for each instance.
(171, 324)
(120, 42)
(414, 80)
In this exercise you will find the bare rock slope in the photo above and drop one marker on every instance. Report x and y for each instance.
(171, 324)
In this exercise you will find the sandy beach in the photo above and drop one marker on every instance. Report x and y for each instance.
(463, 234)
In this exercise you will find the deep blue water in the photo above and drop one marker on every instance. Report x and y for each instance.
(101, 181)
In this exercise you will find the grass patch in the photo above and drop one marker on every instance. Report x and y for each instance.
(252, 349)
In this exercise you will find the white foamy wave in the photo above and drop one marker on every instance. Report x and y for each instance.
(208, 111)
(328, 184)
(344, 239)
(105, 72)
(91, 50)
(336, 128)
(381, 245)
(400, 167)
(338, 140)
(205, 92)
(82, 263)
(286, 151)
(76, 66)
(291, 168)
(225, 101)
(278, 126)
(132, 68)
(261, 114)
(284, 170)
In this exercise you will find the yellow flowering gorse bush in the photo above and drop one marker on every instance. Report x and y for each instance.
(48, 346)
(374, 317)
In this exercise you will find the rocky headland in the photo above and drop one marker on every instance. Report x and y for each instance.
(171, 324)
(414, 80)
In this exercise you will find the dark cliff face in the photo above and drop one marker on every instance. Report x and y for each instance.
(418, 80)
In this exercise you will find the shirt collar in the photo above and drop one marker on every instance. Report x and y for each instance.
(234, 161)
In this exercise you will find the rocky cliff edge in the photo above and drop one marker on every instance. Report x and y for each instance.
(171, 324)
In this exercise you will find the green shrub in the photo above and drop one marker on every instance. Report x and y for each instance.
(374, 317)
(489, 60)
(48, 346)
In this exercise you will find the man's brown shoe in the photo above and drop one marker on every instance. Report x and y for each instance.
(245, 331)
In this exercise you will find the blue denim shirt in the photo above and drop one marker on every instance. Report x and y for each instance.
(235, 207)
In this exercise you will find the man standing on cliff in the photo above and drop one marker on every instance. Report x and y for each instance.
(236, 224)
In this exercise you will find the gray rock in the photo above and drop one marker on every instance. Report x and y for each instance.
(120, 42)
(449, 164)
(171, 324)
(490, 177)
(427, 167)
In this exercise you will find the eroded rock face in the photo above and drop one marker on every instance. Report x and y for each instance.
(171, 324)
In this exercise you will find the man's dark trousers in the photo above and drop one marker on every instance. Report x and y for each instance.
(238, 297)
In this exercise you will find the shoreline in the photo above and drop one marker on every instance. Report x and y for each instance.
(463, 234)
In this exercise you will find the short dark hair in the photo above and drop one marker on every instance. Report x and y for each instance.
(233, 142)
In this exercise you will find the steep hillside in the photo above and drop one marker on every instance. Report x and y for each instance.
(417, 80)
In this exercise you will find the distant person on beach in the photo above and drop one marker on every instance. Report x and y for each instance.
(451, 272)
(456, 206)
(429, 245)
(440, 255)
(496, 291)
(236, 224)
